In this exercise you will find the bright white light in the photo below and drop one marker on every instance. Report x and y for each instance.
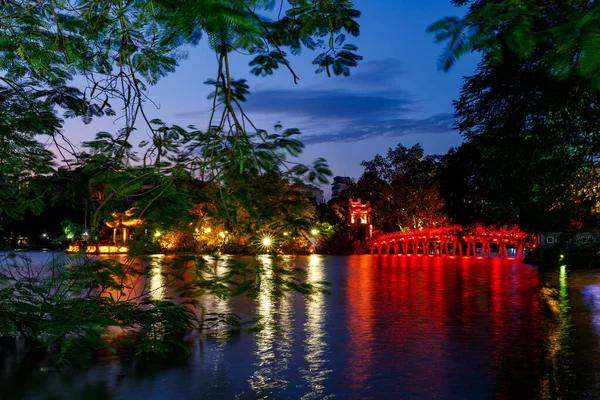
(285, 233)
(207, 230)
(44, 235)
(69, 236)
(314, 232)
(222, 234)
(267, 241)
(157, 234)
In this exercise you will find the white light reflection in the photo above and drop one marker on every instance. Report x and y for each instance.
(274, 339)
(157, 290)
(157, 280)
(591, 298)
(315, 344)
(214, 304)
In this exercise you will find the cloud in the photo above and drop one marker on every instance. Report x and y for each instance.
(355, 130)
(327, 104)
(369, 104)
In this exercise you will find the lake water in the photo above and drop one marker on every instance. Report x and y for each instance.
(421, 327)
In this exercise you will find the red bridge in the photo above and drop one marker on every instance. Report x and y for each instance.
(456, 240)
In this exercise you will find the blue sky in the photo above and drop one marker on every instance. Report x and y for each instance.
(396, 95)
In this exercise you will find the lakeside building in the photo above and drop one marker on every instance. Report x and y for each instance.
(314, 193)
(340, 188)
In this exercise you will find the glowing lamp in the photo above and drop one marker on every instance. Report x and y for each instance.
(267, 241)
(157, 234)
(314, 232)
(222, 234)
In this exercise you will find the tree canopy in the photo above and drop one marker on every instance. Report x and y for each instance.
(402, 188)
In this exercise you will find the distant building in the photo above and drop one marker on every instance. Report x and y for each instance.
(314, 193)
(340, 188)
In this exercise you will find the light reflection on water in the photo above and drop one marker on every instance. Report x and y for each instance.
(273, 342)
(316, 345)
(157, 278)
(393, 327)
(215, 304)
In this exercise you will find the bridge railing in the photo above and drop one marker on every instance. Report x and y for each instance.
(438, 239)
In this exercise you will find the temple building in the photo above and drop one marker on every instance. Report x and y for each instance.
(123, 227)
(359, 220)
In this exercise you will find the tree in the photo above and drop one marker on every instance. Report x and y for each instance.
(529, 113)
(402, 188)
(566, 32)
(537, 140)
(462, 186)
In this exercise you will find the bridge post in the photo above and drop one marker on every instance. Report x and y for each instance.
(486, 250)
(502, 253)
(520, 252)
(474, 246)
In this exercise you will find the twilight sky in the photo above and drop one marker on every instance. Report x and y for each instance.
(396, 95)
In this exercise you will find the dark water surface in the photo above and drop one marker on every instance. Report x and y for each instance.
(394, 327)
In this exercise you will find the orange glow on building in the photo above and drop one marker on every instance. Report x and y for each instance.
(102, 249)
(121, 222)
(359, 220)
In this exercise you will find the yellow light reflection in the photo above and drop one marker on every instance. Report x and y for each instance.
(558, 329)
(315, 344)
(274, 339)
(157, 290)
(157, 279)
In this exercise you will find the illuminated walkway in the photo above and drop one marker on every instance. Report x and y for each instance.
(456, 240)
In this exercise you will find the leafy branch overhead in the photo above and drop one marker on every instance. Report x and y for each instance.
(566, 33)
(114, 51)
